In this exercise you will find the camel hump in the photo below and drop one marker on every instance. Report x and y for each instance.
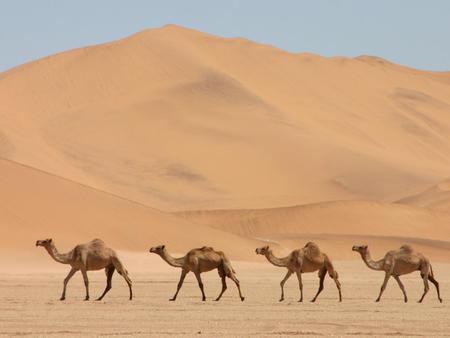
(406, 248)
(206, 248)
(97, 241)
(311, 250)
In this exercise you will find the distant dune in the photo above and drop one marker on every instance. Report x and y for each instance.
(436, 197)
(337, 226)
(178, 119)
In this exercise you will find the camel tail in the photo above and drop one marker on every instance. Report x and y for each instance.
(227, 265)
(121, 269)
(330, 268)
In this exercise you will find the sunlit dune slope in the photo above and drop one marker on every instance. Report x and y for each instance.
(36, 205)
(179, 119)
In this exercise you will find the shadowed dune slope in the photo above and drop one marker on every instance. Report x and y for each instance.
(179, 119)
(36, 205)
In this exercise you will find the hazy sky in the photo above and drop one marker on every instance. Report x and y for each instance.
(410, 32)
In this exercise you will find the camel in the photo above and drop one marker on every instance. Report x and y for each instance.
(400, 262)
(200, 260)
(307, 259)
(90, 256)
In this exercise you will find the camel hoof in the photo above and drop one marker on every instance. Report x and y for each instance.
(203, 299)
(300, 300)
(171, 299)
(377, 300)
(440, 300)
(98, 299)
(242, 299)
(406, 301)
(64, 298)
(313, 300)
(281, 299)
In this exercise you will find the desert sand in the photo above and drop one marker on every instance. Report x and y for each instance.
(173, 136)
(30, 305)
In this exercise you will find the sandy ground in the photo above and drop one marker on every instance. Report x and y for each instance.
(29, 305)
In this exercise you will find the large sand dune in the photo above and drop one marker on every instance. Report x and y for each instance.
(178, 119)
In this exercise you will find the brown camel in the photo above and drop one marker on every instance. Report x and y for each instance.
(307, 259)
(400, 262)
(93, 255)
(200, 260)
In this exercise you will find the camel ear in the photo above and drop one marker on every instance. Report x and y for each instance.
(364, 246)
(163, 247)
(50, 240)
(266, 247)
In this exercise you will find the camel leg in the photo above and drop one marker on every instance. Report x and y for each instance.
(86, 282)
(109, 273)
(200, 284)
(338, 285)
(436, 284)
(66, 280)
(224, 287)
(180, 284)
(224, 282)
(124, 274)
(400, 284)
(383, 287)
(300, 285)
(322, 274)
(288, 274)
(426, 287)
(236, 281)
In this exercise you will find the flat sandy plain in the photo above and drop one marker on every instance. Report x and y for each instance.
(29, 305)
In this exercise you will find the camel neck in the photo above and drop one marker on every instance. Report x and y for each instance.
(282, 262)
(175, 262)
(53, 252)
(374, 265)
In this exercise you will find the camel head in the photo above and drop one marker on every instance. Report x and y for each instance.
(362, 249)
(262, 250)
(44, 242)
(157, 249)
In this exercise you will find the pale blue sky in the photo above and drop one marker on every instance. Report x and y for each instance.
(410, 32)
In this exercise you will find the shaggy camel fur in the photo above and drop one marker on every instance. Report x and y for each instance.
(400, 262)
(307, 259)
(200, 260)
(93, 255)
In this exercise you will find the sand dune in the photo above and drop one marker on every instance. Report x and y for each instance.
(435, 197)
(36, 205)
(336, 226)
(179, 119)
